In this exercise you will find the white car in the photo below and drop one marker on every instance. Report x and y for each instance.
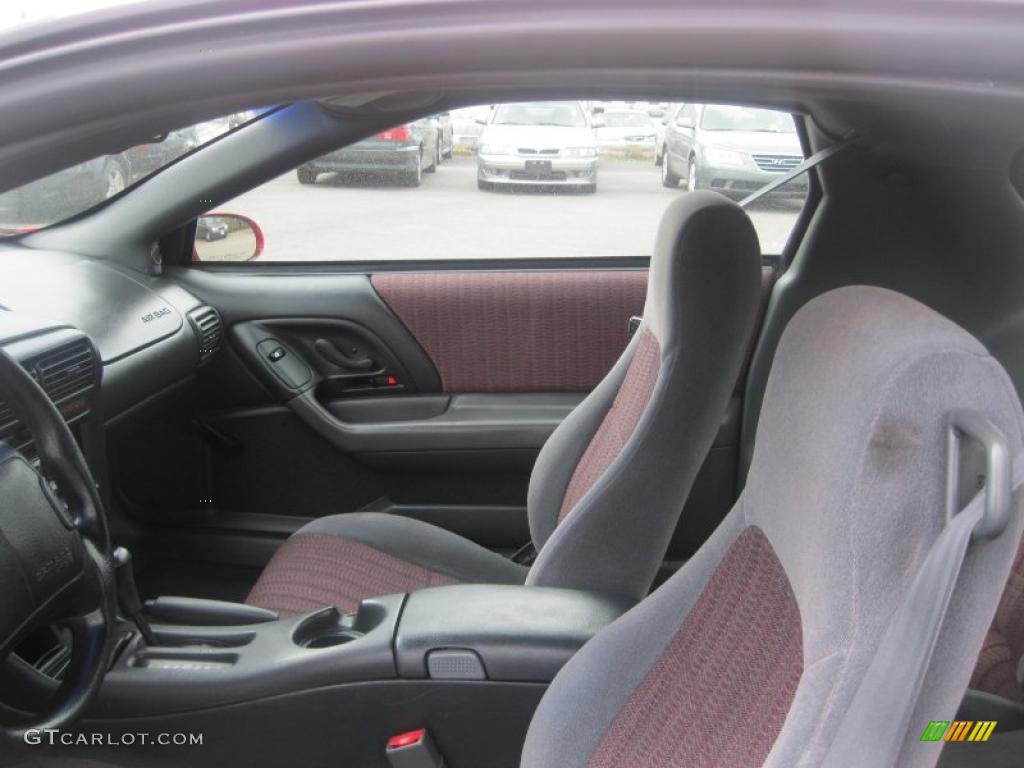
(547, 143)
(626, 131)
(467, 126)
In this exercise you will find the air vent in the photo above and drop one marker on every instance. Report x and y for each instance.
(6, 417)
(67, 372)
(207, 324)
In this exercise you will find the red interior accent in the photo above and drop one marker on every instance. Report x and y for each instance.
(407, 739)
(392, 381)
(619, 422)
(311, 570)
(541, 331)
(720, 691)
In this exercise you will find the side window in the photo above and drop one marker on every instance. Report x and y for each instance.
(553, 179)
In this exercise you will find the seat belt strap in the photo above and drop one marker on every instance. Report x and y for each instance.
(814, 160)
(874, 727)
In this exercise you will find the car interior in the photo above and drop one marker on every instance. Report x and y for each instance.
(709, 504)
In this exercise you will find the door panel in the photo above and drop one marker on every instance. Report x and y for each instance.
(541, 331)
(429, 395)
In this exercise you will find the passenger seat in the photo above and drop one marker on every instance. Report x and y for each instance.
(610, 483)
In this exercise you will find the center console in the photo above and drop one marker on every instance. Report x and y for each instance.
(468, 662)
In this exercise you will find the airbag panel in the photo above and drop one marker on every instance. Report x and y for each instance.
(119, 313)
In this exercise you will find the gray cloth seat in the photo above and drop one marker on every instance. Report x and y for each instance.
(751, 654)
(610, 483)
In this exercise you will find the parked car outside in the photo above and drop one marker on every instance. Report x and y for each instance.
(547, 143)
(210, 228)
(626, 132)
(467, 126)
(730, 149)
(80, 187)
(445, 135)
(662, 128)
(405, 152)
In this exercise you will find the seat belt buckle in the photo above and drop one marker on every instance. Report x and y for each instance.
(413, 749)
(525, 555)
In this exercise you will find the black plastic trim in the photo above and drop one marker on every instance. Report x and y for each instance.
(519, 633)
(195, 667)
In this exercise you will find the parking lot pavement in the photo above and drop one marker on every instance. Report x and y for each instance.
(449, 218)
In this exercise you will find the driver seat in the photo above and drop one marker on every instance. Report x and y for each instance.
(751, 654)
(610, 483)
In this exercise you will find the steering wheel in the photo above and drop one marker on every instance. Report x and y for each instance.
(55, 565)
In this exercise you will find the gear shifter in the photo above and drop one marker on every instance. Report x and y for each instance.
(128, 594)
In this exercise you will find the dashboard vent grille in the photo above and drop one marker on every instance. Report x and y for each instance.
(67, 372)
(6, 416)
(209, 330)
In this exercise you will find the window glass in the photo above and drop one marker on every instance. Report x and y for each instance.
(550, 179)
(74, 190)
(521, 180)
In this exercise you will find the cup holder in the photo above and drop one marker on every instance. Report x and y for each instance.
(324, 630)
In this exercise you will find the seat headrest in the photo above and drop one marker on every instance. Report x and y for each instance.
(848, 476)
(703, 241)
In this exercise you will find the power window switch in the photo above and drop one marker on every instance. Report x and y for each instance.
(276, 354)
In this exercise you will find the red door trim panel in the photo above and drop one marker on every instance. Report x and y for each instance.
(537, 331)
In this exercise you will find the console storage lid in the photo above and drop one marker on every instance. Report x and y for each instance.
(497, 632)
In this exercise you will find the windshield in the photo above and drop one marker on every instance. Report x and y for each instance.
(727, 118)
(74, 190)
(565, 114)
(626, 120)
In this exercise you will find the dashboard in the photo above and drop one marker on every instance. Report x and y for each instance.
(98, 338)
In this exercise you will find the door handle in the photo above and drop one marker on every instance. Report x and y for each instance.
(329, 351)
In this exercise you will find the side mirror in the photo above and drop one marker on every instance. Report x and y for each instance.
(480, 121)
(227, 237)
